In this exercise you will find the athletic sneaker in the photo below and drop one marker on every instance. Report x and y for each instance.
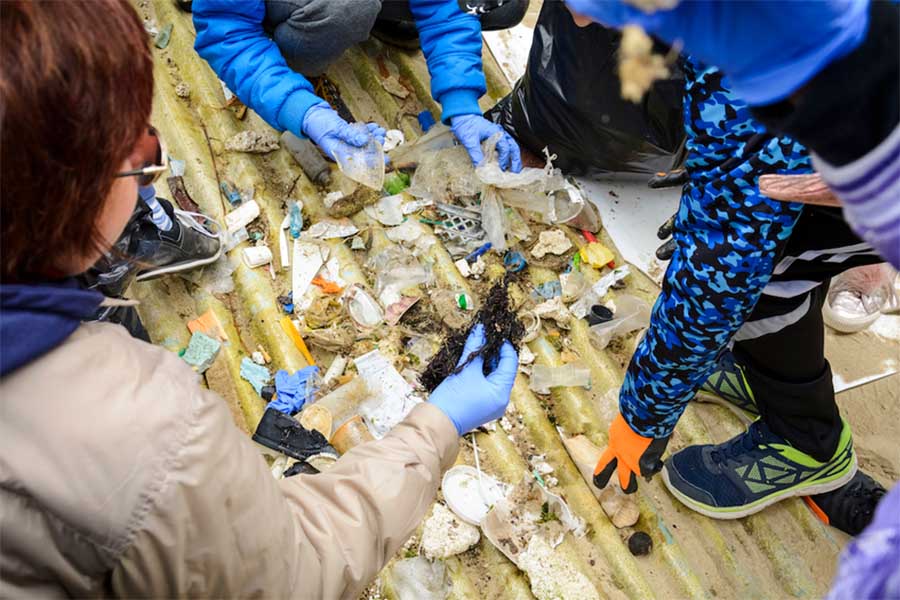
(728, 387)
(192, 242)
(752, 471)
(851, 507)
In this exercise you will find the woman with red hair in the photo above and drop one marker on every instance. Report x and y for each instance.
(119, 474)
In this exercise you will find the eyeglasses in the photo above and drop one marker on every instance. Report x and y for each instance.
(155, 159)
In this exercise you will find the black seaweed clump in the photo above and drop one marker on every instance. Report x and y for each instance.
(500, 324)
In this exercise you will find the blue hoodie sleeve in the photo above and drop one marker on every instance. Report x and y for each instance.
(451, 41)
(231, 38)
(728, 238)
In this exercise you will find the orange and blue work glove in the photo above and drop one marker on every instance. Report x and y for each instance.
(630, 453)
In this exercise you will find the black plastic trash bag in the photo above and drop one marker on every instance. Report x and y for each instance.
(569, 101)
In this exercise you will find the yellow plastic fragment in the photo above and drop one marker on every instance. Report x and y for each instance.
(597, 255)
(292, 332)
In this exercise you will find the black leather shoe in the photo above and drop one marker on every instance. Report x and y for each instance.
(187, 245)
(284, 434)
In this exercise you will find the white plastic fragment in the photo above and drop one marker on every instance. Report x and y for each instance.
(283, 247)
(387, 210)
(416, 205)
(307, 260)
(332, 197)
(526, 356)
(242, 216)
(328, 229)
(392, 139)
(551, 241)
(407, 232)
(463, 266)
(471, 495)
(445, 535)
(335, 369)
(256, 256)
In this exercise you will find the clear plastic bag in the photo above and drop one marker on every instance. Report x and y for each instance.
(631, 313)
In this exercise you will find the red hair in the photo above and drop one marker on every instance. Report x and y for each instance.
(76, 87)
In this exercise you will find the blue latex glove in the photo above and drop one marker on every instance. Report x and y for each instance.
(469, 398)
(471, 130)
(293, 390)
(330, 132)
(768, 48)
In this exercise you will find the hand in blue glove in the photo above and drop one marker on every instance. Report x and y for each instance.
(471, 130)
(330, 132)
(768, 48)
(469, 398)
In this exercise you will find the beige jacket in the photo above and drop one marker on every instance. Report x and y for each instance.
(120, 475)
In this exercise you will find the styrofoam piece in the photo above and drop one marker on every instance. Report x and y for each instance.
(392, 139)
(241, 216)
(471, 497)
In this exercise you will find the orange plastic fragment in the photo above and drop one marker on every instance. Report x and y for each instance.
(288, 326)
(329, 287)
(208, 323)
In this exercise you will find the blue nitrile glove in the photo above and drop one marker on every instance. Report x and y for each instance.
(293, 391)
(469, 398)
(330, 132)
(768, 48)
(471, 130)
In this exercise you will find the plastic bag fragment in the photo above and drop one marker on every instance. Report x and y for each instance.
(420, 579)
(631, 313)
(574, 374)
(365, 164)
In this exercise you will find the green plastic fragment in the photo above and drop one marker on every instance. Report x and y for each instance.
(163, 37)
(395, 182)
(201, 352)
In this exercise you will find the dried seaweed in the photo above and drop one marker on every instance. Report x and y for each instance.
(500, 324)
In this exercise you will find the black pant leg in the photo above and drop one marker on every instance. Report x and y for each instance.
(782, 345)
(790, 377)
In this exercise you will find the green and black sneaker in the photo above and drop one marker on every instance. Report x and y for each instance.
(728, 387)
(752, 471)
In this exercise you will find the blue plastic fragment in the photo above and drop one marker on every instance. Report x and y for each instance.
(478, 252)
(514, 261)
(294, 390)
(426, 120)
(547, 290)
(257, 375)
(296, 217)
(231, 194)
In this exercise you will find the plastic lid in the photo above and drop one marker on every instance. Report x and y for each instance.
(468, 498)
